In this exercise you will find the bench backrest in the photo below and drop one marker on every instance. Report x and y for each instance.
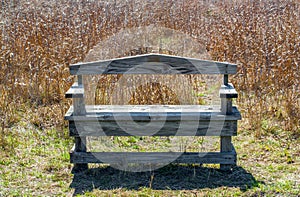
(153, 64)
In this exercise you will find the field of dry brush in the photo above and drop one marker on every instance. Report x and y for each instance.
(39, 39)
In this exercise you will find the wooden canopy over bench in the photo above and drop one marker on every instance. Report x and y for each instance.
(142, 120)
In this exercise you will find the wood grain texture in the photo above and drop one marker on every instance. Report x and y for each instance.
(153, 113)
(228, 91)
(80, 142)
(226, 146)
(75, 91)
(78, 108)
(169, 128)
(152, 120)
(153, 64)
(226, 106)
(79, 102)
(225, 79)
(153, 157)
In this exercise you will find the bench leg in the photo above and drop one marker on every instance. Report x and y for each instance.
(226, 147)
(80, 146)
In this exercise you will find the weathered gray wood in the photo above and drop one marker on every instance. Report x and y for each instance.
(153, 113)
(80, 79)
(75, 91)
(169, 128)
(226, 147)
(79, 102)
(153, 157)
(226, 106)
(153, 64)
(226, 109)
(234, 152)
(80, 142)
(228, 91)
(78, 107)
(152, 120)
(225, 79)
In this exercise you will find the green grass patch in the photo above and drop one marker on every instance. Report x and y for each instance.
(39, 165)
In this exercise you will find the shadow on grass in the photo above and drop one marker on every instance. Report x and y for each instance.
(170, 177)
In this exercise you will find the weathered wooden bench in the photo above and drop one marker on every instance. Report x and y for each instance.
(179, 120)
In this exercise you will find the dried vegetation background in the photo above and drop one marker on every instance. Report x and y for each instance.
(39, 39)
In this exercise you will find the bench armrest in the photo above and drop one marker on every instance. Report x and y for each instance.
(75, 91)
(228, 91)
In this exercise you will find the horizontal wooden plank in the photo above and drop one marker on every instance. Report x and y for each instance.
(153, 64)
(153, 157)
(75, 91)
(152, 113)
(168, 128)
(228, 91)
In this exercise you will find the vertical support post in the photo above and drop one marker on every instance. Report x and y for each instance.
(226, 106)
(80, 142)
(225, 147)
(225, 79)
(225, 141)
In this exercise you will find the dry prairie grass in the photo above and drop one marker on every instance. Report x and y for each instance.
(40, 39)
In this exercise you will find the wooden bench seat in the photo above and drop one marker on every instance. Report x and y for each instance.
(153, 112)
(194, 120)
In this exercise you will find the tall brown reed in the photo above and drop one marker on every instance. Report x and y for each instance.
(40, 39)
